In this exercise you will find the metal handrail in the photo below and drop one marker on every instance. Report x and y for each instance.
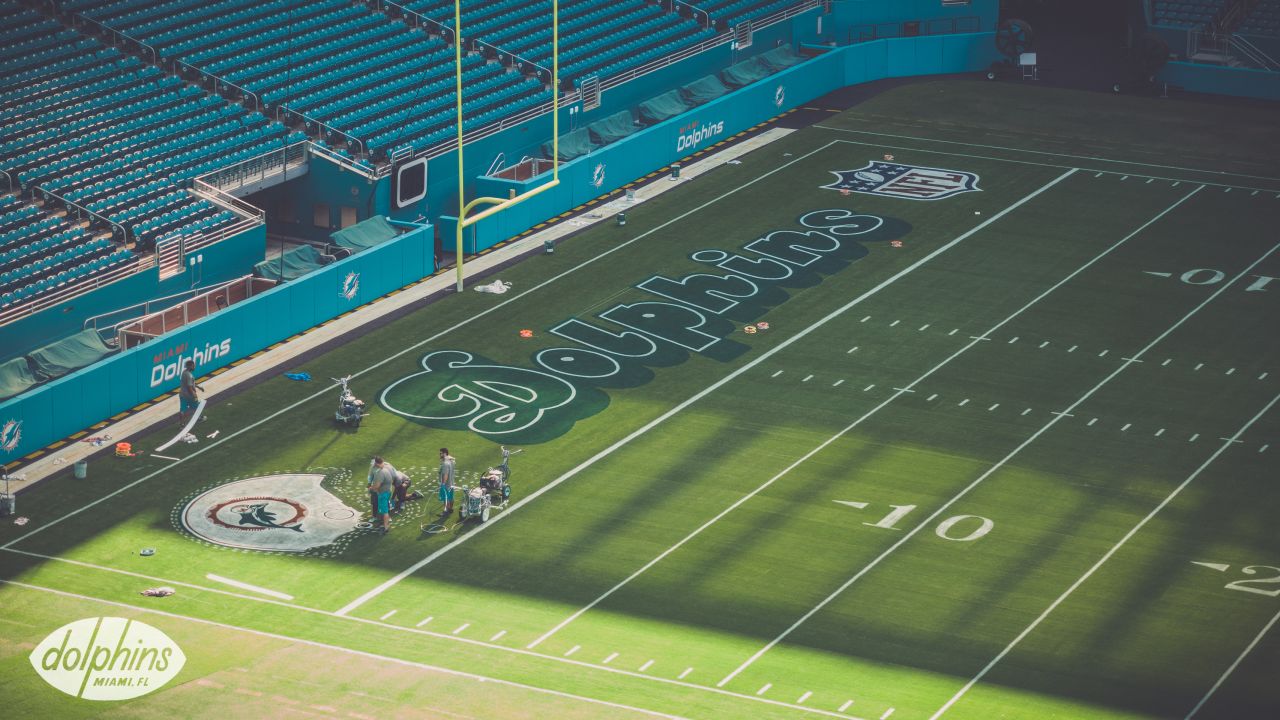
(82, 210)
(364, 148)
(145, 305)
(217, 196)
(1254, 53)
(698, 13)
(73, 290)
(219, 80)
(498, 163)
(155, 56)
(543, 73)
(366, 171)
(213, 180)
(444, 30)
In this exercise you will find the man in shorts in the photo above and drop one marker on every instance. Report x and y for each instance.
(381, 482)
(400, 493)
(188, 400)
(446, 480)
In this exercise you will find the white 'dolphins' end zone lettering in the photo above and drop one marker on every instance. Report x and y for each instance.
(275, 513)
(683, 315)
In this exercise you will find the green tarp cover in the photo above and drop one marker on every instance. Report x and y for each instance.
(80, 350)
(745, 72)
(573, 144)
(15, 377)
(666, 105)
(703, 91)
(297, 262)
(780, 57)
(374, 231)
(613, 128)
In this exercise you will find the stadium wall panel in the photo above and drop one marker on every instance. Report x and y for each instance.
(1239, 82)
(223, 261)
(847, 14)
(74, 402)
(612, 166)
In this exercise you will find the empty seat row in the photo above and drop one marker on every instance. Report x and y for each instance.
(63, 237)
(74, 274)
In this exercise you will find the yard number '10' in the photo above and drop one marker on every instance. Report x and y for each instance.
(945, 528)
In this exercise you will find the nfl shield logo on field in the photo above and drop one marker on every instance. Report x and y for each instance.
(911, 182)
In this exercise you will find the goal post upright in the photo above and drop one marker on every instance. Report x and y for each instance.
(499, 204)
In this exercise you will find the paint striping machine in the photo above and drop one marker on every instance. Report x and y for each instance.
(350, 408)
(493, 490)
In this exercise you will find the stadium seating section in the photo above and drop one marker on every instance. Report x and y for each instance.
(1187, 13)
(727, 13)
(120, 130)
(1263, 21)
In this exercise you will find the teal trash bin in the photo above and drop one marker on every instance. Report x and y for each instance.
(675, 171)
(81, 469)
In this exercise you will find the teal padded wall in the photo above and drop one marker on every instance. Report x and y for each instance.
(226, 260)
(71, 403)
(614, 165)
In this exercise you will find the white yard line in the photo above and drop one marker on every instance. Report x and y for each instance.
(1046, 152)
(981, 478)
(973, 156)
(348, 651)
(247, 586)
(806, 456)
(696, 397)
(1248, 649)
(1107, 556)
(387, 626)
(412, 348)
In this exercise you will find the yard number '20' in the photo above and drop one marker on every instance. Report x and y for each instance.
(1248, 585)
(946, 529)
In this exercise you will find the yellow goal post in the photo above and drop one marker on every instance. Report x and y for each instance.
(466, 220)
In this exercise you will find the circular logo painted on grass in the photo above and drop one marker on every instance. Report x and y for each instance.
(280, 513)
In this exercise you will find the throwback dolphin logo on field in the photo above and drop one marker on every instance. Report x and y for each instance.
(617, 348)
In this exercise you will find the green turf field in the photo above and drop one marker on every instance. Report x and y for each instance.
(1008, 453)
